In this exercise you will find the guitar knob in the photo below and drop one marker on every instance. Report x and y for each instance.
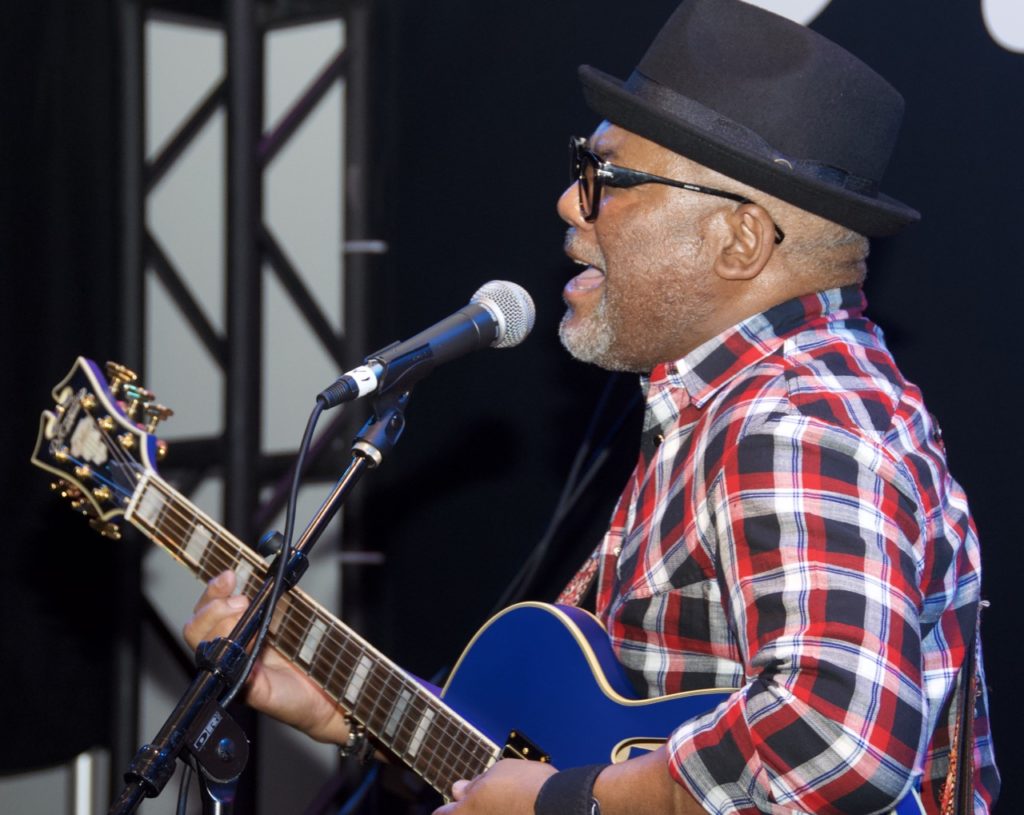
(161, 450)
(119, 376)
(82, 472)
(157, 414)
(102, 493)
(126, 440)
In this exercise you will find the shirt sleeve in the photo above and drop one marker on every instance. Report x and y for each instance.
(813, 529)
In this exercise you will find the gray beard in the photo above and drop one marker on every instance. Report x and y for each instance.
(593, 340)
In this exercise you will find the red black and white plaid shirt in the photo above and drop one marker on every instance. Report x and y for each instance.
(791, 531)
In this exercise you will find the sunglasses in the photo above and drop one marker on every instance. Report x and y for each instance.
(590, 173)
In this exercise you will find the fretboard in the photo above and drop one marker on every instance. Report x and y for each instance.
(394, 707)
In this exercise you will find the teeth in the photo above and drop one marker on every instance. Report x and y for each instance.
(580, 262)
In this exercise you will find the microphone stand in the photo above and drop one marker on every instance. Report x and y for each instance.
(199, 725)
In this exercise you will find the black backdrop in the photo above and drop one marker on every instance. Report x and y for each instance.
(476, 101)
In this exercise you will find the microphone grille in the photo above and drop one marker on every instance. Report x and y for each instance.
(514, 307)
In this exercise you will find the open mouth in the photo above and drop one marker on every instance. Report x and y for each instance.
(589, 279)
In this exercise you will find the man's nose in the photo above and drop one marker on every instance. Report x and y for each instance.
(569, 207)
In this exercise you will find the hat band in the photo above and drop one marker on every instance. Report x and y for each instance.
(743, 138)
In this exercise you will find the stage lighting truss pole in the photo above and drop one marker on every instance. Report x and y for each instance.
(250, 243)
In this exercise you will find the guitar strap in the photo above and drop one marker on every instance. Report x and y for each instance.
(576, 589)
(958, 791)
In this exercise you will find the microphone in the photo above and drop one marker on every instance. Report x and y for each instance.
(500, 314)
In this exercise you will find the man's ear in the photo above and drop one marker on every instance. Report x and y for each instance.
(749, 245)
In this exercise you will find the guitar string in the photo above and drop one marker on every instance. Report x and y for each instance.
(130, 465)
(480, 752)
(291, 636)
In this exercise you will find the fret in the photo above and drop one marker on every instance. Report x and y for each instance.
(413, 716)
(433, 757)
(466, 761)
(244, 572)
(197, 542)
(397, 713)
(380, 700)
(420, 732)
(486, 755)
(212, 562)
(446, 747)
(311, 641)
(278, 621)
(150, 505)
(341, 665)
(355, 684)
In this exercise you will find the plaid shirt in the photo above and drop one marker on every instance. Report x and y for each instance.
(791, 531)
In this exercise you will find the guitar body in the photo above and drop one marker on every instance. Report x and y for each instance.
(548, 674)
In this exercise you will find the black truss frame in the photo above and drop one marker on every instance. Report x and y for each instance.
(250, 244)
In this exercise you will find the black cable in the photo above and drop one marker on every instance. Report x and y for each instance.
(283, 557)
(183, 787)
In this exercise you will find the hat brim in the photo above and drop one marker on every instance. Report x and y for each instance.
(874, 216)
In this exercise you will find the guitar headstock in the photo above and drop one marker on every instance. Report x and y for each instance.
(98, 440)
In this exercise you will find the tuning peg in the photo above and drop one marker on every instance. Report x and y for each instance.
(88, 401)
(66, 490)
(84, 506)
(126, 440)
(106, 528)
(82, 472)
(157, 414)
(118, 376)
(102, 493)
(137, 397)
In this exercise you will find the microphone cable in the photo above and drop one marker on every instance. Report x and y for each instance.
(281, 565)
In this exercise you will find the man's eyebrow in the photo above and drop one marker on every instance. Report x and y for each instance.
(606, 152)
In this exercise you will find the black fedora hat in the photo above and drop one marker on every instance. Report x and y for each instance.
(766, 101)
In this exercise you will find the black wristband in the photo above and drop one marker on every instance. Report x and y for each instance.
(569, 792)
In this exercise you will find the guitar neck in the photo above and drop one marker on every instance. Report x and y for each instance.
(394, 707)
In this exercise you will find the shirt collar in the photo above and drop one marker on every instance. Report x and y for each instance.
(712, 365)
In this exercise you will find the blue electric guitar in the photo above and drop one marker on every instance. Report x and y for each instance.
(537, 681)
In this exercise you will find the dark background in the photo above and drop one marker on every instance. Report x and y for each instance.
(475, 103)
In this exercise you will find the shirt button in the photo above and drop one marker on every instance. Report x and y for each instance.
(617, 551)
(658, 440)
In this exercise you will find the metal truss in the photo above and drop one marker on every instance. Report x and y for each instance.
(251, 245)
